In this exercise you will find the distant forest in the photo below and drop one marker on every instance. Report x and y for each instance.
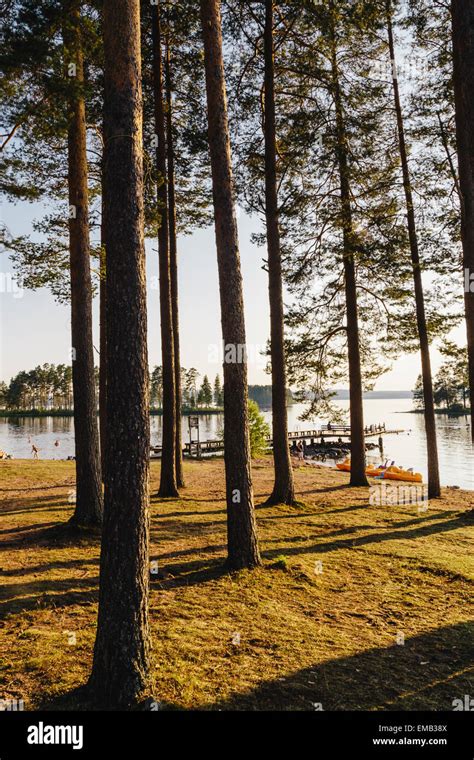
(262, 394)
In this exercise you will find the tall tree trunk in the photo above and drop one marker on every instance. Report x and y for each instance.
(168, 486)
(88, 509)
(358, 476)
(283, 489)
(103, 342)
(174, 268)
(429, 413)
(242, 541)
(120, 670)
(462, 12)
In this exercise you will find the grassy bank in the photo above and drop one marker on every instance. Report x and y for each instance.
(355, 607)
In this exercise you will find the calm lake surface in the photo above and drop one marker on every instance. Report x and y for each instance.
(456, 451)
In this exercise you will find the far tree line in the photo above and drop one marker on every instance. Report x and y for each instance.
(50, 387)
(450, 384)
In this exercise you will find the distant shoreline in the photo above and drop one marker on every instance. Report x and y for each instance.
(457, 413)
(69, 412)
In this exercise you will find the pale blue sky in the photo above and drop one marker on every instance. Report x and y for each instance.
(35, 329)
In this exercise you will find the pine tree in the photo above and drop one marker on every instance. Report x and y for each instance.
(434, 489)
(462, 12)
(88, 510)
(283, 489)
(120, 671)
(242, 542)
(168, 484)
(206, 391)
(46, 48)
(218, 397)
(173, 263)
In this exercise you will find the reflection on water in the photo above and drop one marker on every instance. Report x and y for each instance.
(456, 451)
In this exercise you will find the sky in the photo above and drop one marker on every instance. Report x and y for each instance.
(34, 329)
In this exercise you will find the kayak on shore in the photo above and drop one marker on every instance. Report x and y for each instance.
(385, 473)
(370, 469)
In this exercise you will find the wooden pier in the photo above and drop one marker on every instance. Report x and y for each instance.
(326, 433)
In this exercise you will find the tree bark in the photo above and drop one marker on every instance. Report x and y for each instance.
(429, 409)
(88, 511)
(174, 269)
(103, 343)
(241, 524)
(358, 464)
(283, 489)
(120, 671)
(168, 486)
(462, 13)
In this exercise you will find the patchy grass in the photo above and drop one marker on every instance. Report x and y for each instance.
(355, 607)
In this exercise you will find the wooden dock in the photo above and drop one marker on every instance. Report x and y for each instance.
(313, 436)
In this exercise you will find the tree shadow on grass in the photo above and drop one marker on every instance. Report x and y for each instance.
(50, 594)
(35, 504)
(327, 489)
(38, 488)
(319, 533)
(193, 573)
(184, 513)
(45, 567)
(427, 672)
(441, 526)
(210, 549)
(54, 536)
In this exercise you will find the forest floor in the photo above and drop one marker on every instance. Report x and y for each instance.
(356, 607)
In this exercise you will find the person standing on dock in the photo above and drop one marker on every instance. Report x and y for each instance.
(300, 448)
(381, 445)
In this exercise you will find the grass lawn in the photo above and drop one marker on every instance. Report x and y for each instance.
(356, 606)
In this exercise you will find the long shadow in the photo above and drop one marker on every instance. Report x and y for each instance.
(36, 504)
(427, 672)
(191, 574)
(28, 510)
(52, 594)
(169, 530)
(54, 535)
(351, 508)
(159, 500)
(184, 513)
(27, 528)
(36, 569)
(327, 489)
(373, 538)
(348, 529)
(37, 488)
(186, 552)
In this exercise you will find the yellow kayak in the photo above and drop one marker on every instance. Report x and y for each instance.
(396, 473)
(370, 470)
(390, 473)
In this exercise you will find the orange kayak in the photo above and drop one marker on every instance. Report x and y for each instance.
(370, 470)
(391, 473)
(396, 473)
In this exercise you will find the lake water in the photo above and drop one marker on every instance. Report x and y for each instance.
(456, 451)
